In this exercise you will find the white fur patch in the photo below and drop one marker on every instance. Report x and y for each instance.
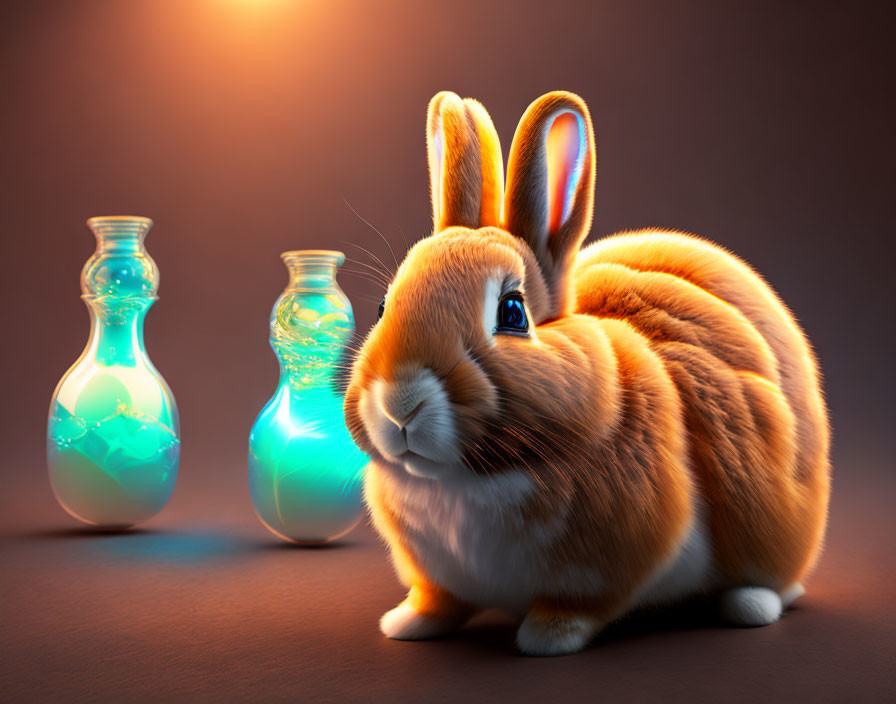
(557, 637)
(688, 572)
(383, 433)
(750, 606)
(490, 307)
(404, 623)
(471, 537)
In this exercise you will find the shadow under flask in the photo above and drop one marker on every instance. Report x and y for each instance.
(305, 471)
(113, 439)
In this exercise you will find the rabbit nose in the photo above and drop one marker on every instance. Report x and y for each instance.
(399, 414)
(400, 404)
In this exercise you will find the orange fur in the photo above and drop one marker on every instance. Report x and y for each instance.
(662, 378)
(749, 387)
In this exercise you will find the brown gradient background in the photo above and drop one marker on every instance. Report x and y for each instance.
(240, 127)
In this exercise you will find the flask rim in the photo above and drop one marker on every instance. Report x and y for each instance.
(314, 256)
(120, 225)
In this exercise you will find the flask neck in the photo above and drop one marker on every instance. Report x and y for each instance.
(304, 363)
(120, 275)
(311, 321)
(119, 284)
(119, 233)
(312, 270)
(117, 340)
(298, 381)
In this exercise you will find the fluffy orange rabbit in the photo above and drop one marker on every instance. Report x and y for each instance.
(570, 434)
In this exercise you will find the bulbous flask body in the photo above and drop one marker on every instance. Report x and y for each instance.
(304, 469)
(113, 438)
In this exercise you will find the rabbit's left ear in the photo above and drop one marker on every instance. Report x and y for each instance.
(465, 166)
(550, 186)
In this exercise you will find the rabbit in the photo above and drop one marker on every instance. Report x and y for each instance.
(569, 434)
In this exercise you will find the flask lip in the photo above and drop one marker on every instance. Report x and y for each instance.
(314, 256)
(120, 225)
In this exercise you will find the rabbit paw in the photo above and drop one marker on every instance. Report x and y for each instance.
(750, 606)
(555, 635)
(404, 622)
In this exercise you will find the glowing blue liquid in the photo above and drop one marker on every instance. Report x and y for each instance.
(305, 471)
(113, 439)
(115, 471)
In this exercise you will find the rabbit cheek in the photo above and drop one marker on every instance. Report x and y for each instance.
(474, 399)
(353, 420)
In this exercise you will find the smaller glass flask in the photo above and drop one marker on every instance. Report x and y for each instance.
(304, 469)
(113, 440)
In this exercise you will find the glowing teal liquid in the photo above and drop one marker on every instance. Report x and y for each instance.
(113, 437)
(305, 471)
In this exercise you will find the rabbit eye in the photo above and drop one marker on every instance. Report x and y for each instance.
(512, 314)
(381, 309)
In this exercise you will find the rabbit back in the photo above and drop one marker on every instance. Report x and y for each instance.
(756, 424)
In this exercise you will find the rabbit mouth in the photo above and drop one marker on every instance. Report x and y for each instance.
(423, 466)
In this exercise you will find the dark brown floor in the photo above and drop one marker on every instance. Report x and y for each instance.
(202, 607)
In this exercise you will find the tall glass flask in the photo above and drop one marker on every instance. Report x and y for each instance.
(113, 439)
(304, 469)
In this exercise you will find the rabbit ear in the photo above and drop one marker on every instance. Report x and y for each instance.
(550, 185)
(465, 167)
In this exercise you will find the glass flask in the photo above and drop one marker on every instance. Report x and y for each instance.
(113, 437)
(304, 469)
